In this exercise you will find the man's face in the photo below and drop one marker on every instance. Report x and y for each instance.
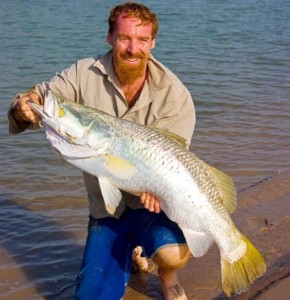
(131, 44)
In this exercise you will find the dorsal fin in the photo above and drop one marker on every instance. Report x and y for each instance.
(228, 192)
(172, 136)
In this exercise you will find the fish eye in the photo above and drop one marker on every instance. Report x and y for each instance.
(60, 112)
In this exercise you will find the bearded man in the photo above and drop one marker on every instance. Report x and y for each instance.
(129, 83)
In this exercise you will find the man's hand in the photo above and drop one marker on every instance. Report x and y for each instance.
(22, 112)
(150, 202)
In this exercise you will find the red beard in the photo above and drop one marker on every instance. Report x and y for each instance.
(128, 73)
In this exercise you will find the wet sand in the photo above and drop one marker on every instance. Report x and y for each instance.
(263, 215)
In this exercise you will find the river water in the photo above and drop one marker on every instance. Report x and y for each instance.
(233, 56)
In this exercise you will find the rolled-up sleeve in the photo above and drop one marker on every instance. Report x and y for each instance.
(18, 127)
(65, 83)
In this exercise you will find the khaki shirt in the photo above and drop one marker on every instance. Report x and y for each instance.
(164, 103)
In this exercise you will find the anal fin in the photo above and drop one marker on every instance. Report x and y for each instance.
(198, 242)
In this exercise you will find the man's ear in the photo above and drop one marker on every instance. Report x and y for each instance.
(109, 38)
(153, 43)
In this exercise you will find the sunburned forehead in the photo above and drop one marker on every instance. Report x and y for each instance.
(131, 23)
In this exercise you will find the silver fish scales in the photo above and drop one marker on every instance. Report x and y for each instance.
(134, 158)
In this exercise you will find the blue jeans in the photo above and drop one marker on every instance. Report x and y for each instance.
(107, 258)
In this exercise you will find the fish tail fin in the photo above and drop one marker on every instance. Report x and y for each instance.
(239, 274)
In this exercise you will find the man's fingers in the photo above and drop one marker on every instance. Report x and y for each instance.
(142, 198)
(24, 112)
(150, 202)
(146, 200)
(157, 207)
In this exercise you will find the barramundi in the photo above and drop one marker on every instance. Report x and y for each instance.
(135, 158)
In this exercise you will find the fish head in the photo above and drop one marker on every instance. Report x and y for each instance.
(69, 126)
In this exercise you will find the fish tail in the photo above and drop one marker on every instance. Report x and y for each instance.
(238, 275)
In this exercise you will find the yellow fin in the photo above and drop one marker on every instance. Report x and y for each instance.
(120, 167)
(227, 189)
(238, 275)
(173, 136)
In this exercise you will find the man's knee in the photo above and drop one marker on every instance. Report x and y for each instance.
(172, 256)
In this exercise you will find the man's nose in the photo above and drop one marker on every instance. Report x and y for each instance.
(132, 47)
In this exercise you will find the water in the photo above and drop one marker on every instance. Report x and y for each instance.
(233, 56)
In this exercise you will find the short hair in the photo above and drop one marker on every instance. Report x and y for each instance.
(135, 10)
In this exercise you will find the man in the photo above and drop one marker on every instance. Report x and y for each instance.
(129, 83)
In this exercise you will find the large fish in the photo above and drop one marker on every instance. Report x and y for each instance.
(135, 158)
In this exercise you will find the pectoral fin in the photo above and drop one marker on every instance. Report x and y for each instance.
(120, 167)
(111, 194)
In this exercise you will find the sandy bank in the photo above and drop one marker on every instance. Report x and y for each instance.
(263, 215)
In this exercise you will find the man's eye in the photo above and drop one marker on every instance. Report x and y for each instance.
(144, 40)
